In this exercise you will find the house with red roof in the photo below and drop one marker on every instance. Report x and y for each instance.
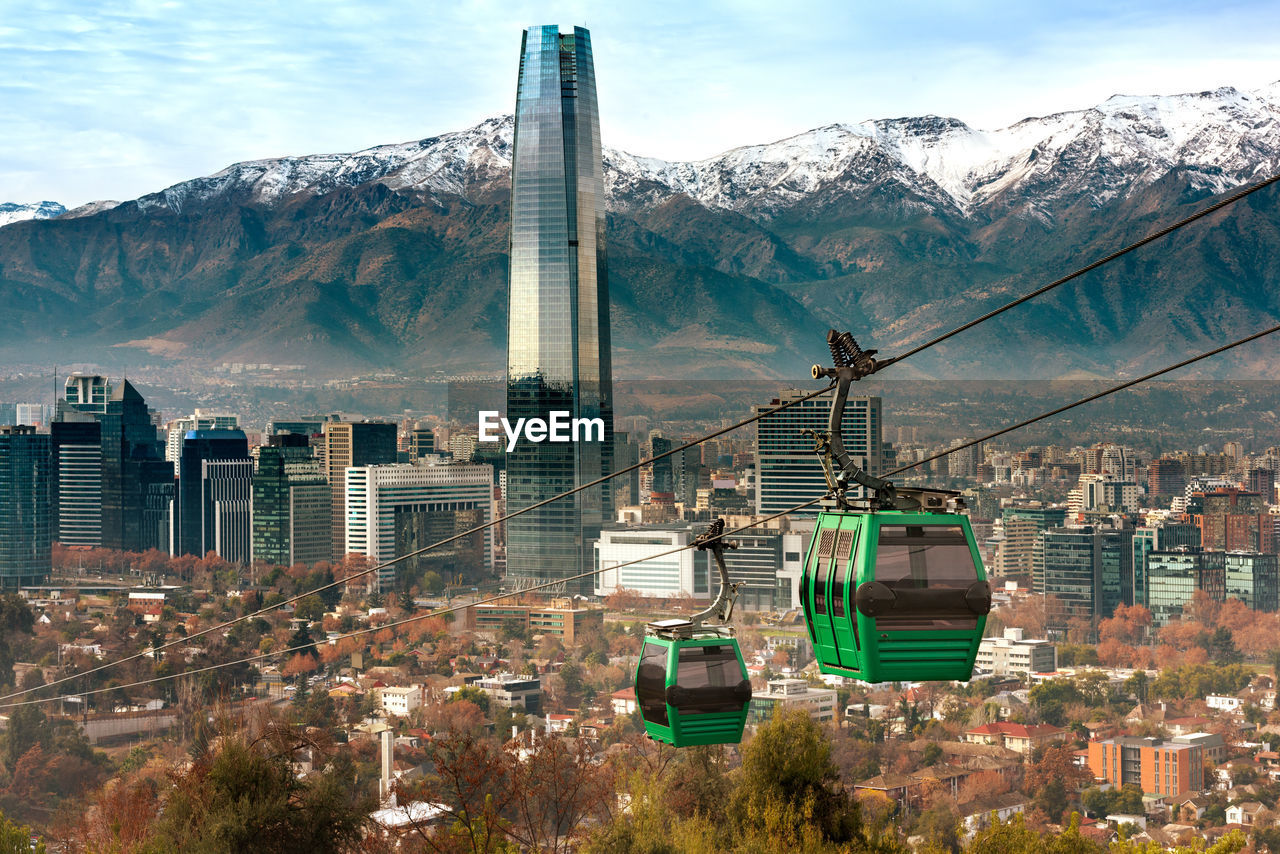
(1022, 738)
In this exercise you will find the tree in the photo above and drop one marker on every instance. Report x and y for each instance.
(247, 798)
(16, 618)
(789, 784)
(17, 839)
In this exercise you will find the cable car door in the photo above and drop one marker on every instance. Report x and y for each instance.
(842, 579)
(816, 589)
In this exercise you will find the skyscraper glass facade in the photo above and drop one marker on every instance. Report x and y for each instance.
(788, 472)
(558, 349)
(24, 507)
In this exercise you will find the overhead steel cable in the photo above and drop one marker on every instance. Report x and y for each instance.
(754, 524)
(1164, 232)
(392, 562)
(392, 625)
(1112, 390)
(1235, 197)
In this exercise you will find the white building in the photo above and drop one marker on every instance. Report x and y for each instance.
(686, 572)
(507, 689)
(820, 703)
(401, 701)
(199, 420)
(377, 495)
(1014, 655)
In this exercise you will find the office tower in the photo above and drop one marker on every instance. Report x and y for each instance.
(215, 492)
(1157, 538)
(33, 414)
(1232, 519)
(1263, 482)
(87, 392)
(662, 486)
(199, 420)
(1088, 571)
(1252, 578)
(312, 428)
(347, 444)
(396, 509)
(291, 503)
(1166, 476)
(1173, 576)
(1044, 519)
(75, 481)
(136, 479)
(422, 441)
(123, 500)
(24, 507)
(788, 472)
(627, 487)
(558, 351)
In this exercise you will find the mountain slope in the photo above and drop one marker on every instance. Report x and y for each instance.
(731, 266)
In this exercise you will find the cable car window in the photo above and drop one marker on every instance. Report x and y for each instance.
(924, 557)
(826, 539)
(651, 683)
(844, 548)
(707, 680)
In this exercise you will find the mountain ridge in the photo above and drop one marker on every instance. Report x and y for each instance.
(396, 254)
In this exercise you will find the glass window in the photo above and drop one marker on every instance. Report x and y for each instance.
(924, 557)
(708, 679)
(844, 550)
(826, 539)
(651, 683)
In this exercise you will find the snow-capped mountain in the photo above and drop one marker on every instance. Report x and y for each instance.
(1222, 138)
(14, 212)
(729, 266)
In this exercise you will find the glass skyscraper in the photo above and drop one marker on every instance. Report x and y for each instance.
(558, 356)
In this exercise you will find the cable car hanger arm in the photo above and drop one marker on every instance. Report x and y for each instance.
(851, 363)
(721, 609)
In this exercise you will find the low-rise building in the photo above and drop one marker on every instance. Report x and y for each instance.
(1159, 767)
(507, 689)
(1014, 655)
(1022, 738)
(564, 618)
(820, 703)
(401, 701)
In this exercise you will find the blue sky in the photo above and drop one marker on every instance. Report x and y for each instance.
(117, 98)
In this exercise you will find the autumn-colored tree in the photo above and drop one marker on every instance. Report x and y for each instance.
(1128, 625)
(556, 790)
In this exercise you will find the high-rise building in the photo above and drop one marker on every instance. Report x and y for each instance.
(1044, 518)
(24, 507)
(422, 441)
(627, 487)
(396, 509)
(347, 444)
(199, 420)
(558, 345)
(1153, 538)
(1173, 576)
(1088, 571)
(1253, 579)
(75, 481)
(788, 472)
(137, 481)
(215, 486)
(291, 512)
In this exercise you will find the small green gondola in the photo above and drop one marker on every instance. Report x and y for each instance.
(691, 683)
(893, 587)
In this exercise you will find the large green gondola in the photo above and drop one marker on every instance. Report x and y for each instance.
(893, 586)
(895, 596)
(691, 683)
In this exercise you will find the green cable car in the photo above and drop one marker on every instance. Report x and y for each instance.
(691, 683)
(893, 587)
(895, 596)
